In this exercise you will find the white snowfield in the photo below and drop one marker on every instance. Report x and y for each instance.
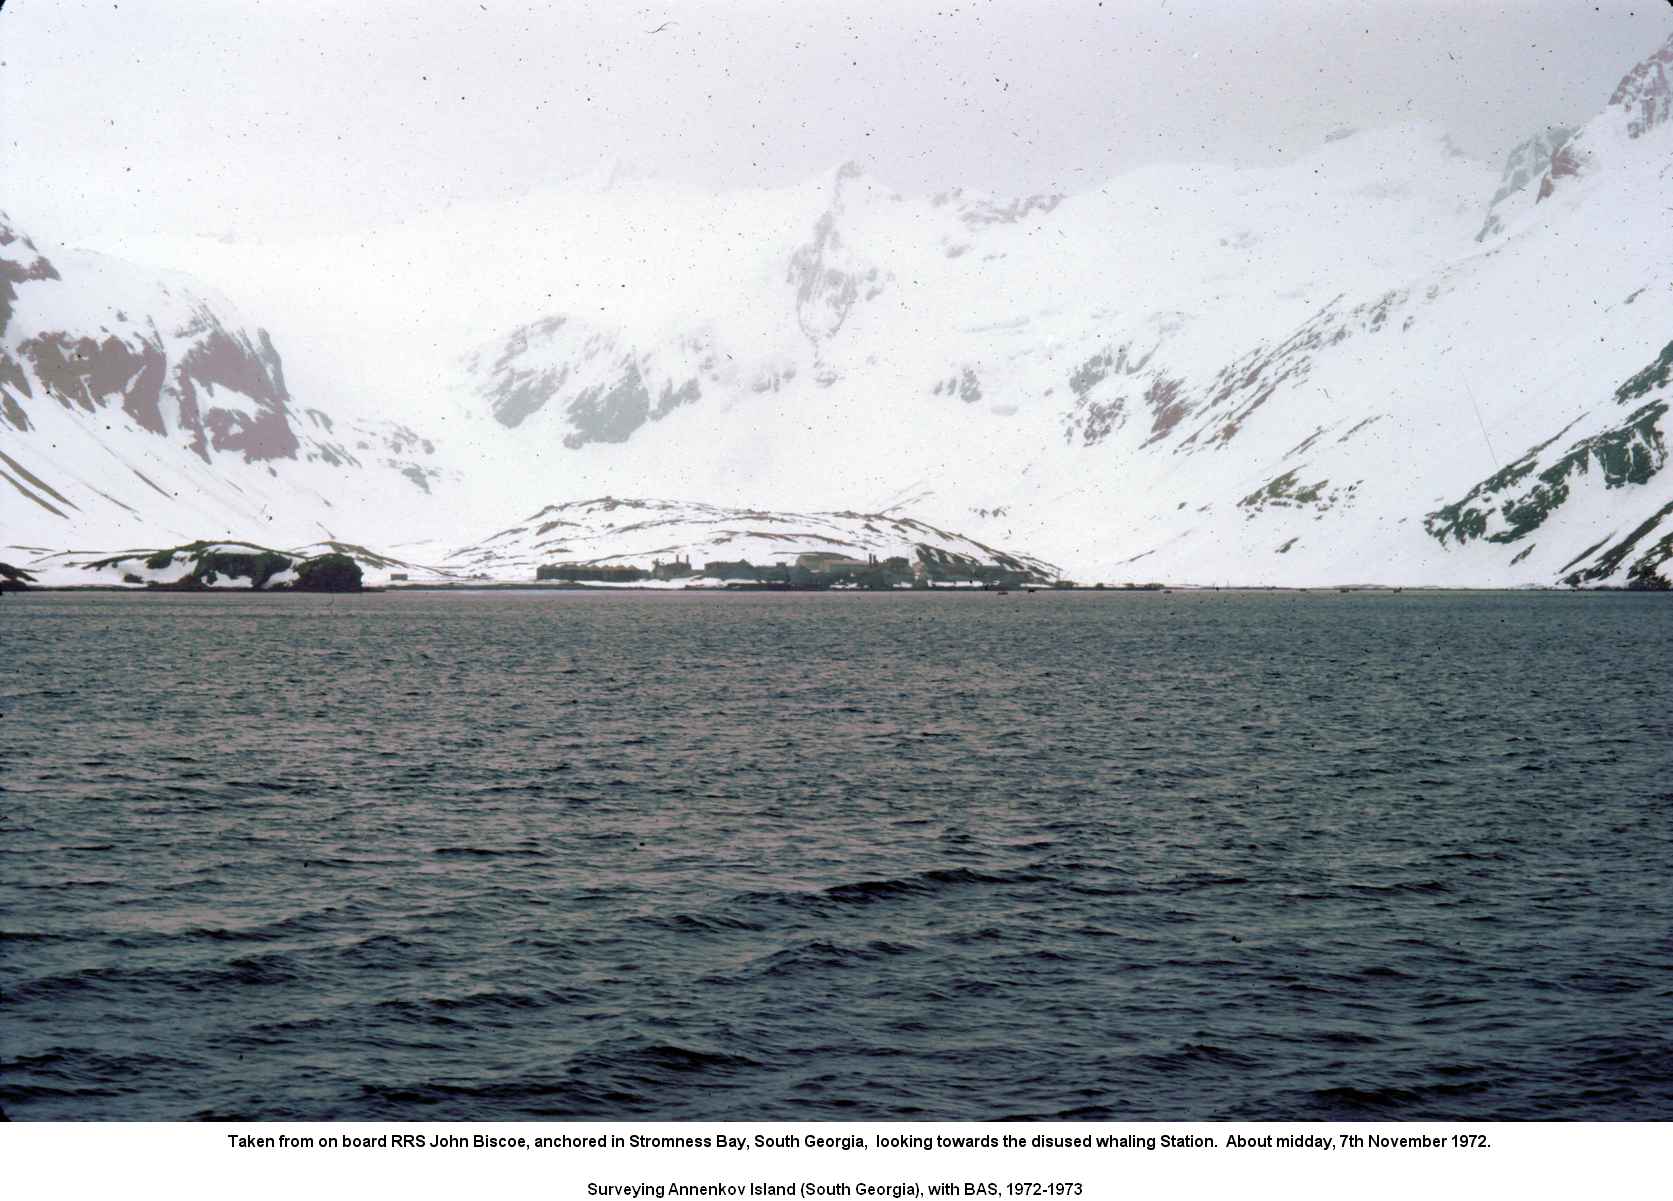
(1381, 362)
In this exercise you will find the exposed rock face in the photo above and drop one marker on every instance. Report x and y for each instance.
(825, 292)
(362, 443)
(1101, 400)
(829, 278)
(966, 385)
(1105, 386)
(1530, 160)
(88, 372)
(1646, 92)
(515, 391)
(177, 369)
(106, 367)
(1565, 161)
(603, 388)
(137, 373)
(19, 263)
(1187, 363)
(983, 211)
(610, 413)
(1645, 95)
(220, 359)
(1515, 502)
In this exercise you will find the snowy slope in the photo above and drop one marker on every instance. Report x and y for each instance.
(605, 531)
(135, 405)
(1379, 362)
(1192, 374)
(637, 532)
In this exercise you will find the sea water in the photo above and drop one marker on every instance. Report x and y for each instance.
(496, 855)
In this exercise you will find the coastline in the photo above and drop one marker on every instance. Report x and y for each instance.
(747, 590)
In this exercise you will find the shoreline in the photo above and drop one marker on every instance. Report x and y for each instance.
(570, 589)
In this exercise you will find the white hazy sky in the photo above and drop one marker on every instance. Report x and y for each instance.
(272, 117)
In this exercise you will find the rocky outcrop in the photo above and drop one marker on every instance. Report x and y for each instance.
(1565, 161)
(197, 566)
(603, 388)
(1528, 161)
(1645, 93)
(133, 355)
(828, 277)
(1515, 502)
(328, 573)
(20, 263)
(220, 388)
(977, 212)
(177, 369)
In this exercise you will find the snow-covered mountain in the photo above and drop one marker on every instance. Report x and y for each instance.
(700, 545)
(1380, 361)
(609, 532)
(134, 404)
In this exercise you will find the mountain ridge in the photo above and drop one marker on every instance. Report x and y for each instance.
(1279, 375)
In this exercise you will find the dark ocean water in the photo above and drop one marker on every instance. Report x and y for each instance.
(505, 855)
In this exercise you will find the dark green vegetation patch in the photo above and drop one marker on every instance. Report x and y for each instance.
(328, 573)
(1631, 453)
(1287, 491)
(1645, 570)
(210, 561)
(256, 566)
(1653, 376)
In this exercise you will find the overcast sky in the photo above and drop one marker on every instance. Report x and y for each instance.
(285, 116)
